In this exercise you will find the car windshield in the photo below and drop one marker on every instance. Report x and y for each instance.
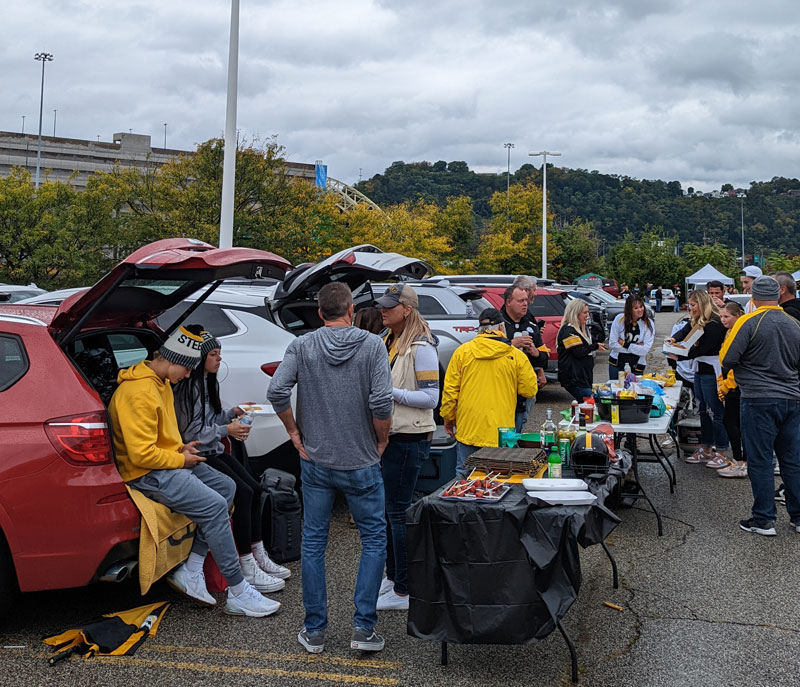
(603, 295)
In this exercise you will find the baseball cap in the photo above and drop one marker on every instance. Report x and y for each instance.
(397, 294)
(490, 316)
(751, 271)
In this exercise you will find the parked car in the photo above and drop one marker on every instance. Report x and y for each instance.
(487, 279)
(66, 519)
(667, 300)
(607, 284)
(11, 293)
(236, 314)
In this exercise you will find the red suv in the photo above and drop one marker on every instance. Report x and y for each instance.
(66, 519)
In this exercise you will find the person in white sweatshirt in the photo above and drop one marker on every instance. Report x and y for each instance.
(630, 338)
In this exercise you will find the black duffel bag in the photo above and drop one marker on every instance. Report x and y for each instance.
(281, 514)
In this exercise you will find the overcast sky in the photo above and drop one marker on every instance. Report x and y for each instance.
(697, 91)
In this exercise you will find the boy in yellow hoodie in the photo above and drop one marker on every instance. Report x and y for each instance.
(152, 458)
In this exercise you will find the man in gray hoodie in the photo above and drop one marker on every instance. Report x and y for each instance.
(344, 411)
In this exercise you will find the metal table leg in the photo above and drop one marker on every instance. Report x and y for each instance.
(635, 454)
(663, 461)
(613, 564)
(571, 646)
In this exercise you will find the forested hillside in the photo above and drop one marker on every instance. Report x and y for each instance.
(613, 204)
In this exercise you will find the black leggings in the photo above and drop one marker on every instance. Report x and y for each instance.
(247, 501)
(733, 425)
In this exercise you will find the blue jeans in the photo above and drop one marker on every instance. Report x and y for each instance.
(676, 306)
(767, 425)
(658, 304)
(711, 411)
(400, 464)
(463, 451)
(363, 488)
(203, 495)
(521, 418)
(578, 392)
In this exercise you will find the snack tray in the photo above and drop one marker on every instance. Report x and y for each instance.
(554, 484)
(564, 498)
(501, 492)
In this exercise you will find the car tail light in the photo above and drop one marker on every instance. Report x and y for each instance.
(348, 259)
(270, 368)
(81, 439)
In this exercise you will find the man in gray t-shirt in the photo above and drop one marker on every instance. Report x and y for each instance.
(344, 411)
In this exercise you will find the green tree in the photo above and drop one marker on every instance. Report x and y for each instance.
(649, 259)
(513, 244)
(54, 236)
(714, 254)
(578, 246)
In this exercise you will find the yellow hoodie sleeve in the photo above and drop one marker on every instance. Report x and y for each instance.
(527, 385)
(151, 436)
(452, 387)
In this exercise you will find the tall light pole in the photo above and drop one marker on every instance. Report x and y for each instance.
(165, 134)
(742, 208)
(23, 125)
(544, 154)
(41, 57)
(508, 147)
(55, 116)
(229, 159)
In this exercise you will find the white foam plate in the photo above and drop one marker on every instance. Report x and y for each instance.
(564, 498)
(545, 484)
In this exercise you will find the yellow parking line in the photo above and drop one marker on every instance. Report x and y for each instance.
(269, 656)
(277, 672)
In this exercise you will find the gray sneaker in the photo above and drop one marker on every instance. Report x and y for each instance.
(796, 526)
(313, 642)
(366, 640)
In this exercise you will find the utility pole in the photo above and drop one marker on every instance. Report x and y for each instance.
(55, 115)
(229, 158)
(165, 134)
(23, 125)
(42, 57)
(544, 154)
(508, 147)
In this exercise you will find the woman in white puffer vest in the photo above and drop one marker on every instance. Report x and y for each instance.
(415, 380)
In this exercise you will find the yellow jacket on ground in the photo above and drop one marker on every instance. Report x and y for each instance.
(481, 385)
(145, 431)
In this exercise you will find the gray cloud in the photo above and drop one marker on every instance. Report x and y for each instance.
(682, 89)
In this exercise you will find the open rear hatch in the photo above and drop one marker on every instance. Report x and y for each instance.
(153, 279)
(294, 301)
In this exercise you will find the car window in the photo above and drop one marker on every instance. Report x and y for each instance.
(428, 305)
(127, 349)
(212, 317)
(13, 361)
(547, 306)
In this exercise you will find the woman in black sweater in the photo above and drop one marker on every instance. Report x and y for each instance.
(576, 351)
(713, 437)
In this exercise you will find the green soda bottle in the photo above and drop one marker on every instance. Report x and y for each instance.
(554, 464)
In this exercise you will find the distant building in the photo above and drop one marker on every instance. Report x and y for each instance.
(63, 157)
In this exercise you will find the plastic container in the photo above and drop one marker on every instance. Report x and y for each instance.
(632, 411)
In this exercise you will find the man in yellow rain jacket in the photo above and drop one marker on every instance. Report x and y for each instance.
(481, 386)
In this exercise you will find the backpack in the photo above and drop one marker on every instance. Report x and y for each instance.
(281, 515)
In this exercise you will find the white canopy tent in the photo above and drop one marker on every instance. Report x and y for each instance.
(796, 275)
(705, 275)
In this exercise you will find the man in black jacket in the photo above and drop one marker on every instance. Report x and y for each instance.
(524, 334)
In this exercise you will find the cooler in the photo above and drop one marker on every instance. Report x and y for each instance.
(689, 434)
(440, 467)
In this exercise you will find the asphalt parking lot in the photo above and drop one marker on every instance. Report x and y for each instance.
(704, 605)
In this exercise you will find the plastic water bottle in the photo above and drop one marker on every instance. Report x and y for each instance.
(246, 420)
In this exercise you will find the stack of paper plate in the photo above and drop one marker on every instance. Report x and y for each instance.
(545, 484)
(564, 498)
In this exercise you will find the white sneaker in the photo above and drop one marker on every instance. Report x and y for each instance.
(250, 603)
(387, 586)
(269, 566)
(192, 585)
(392, 602)
(257, 577)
